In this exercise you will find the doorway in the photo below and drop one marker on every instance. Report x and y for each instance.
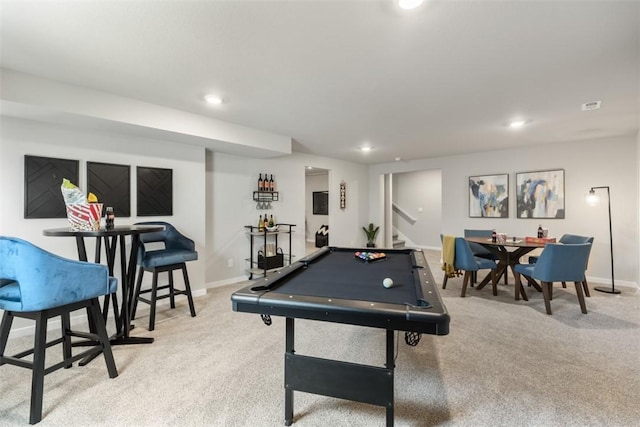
(411, 208)
(316, 207)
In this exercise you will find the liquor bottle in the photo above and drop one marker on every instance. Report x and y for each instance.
(260, 223)
(272, 185)
(109, 218)
(260, 183)
(540, 232)
(265, 185)
(271, 222)
(266, 221)
(494, 236)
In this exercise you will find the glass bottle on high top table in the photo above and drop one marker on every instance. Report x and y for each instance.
(109, 218)
(540, 232)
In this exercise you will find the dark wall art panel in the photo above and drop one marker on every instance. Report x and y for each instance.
(42, 179)
(112, 185)
(321, 203)
(155, 191)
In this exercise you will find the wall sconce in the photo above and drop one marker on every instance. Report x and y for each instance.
(343, 195)
(593, 199)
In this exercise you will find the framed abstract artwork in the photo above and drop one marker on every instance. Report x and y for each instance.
(112, 185)
(489, 196)
(42, 179)
(155, 191)
(540, 194)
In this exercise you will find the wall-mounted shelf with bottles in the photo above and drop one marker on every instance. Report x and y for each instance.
(263, 199)
(266, 192)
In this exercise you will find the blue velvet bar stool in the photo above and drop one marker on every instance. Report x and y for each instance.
(38, 285)
(176, 251)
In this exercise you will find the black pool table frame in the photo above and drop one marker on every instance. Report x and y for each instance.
(424, 312)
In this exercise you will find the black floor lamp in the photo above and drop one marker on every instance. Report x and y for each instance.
(592, 200)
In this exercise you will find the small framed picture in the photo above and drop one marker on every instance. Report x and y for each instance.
(489, 196)
(321, 203)
(540, 194)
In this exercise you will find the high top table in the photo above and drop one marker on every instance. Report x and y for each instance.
(113, 239)
(507, 258)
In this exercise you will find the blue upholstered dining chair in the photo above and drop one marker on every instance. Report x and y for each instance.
(557, 263)
(570, 239)
(464, 260)
(176, 250)
(479, 250)
(39, 285)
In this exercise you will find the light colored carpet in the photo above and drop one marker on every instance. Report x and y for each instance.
(504, 363)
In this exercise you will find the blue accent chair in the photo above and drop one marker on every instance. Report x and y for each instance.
(465, 260)
(570, 239)
(557, 263)
(38, 285)
(479, 250)
(176, 252)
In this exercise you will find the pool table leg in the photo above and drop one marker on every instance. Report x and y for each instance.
(390, 365)
(288, 390)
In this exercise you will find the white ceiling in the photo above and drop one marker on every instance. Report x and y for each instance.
(335, 75)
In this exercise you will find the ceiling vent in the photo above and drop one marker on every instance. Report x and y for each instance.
(593, 105)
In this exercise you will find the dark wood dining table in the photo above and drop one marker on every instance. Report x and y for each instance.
(114, 239)
(509, 253)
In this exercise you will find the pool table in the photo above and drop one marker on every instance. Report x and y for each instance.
(334, 285)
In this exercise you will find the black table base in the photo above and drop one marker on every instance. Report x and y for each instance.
(344, 380)
(114, 239)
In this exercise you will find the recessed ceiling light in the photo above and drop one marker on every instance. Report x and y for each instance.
(365, 149)
(213, 99)
(397, 159)
(517, 124)
(409, 4)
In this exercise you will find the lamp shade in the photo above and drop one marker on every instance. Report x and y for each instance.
(592, 198)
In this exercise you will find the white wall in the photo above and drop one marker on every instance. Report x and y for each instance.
(315, 221)
(24, 137)
(419, 194)
(612, 162)
(231, 181)
(212, 192)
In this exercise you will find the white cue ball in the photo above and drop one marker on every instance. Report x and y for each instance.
(387, 283)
